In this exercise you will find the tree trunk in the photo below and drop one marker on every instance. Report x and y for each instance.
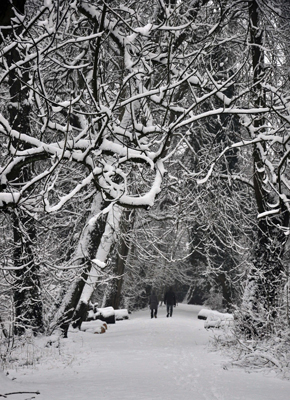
(27, 288)
(86, 250)
(122, 255)
(266, 277)
(97, 270)
(27, 292)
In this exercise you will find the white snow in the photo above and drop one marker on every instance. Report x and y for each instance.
(215, 319)
(96, 326)
(105, 312)
(140, 358)
(121, 314)
(205, 313)
(6, 198)
(144, 30)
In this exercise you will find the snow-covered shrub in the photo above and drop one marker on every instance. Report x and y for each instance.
(27, 349)
(213, 321)
(268, 354)
(214, 300)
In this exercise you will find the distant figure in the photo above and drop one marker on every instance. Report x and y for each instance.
(170, 301)
(153, 304)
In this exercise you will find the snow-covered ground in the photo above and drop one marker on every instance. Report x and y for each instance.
(140, 358)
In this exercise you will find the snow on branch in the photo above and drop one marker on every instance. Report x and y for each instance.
(8, 199)
(108, 104)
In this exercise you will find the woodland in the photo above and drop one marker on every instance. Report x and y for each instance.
(144, 144)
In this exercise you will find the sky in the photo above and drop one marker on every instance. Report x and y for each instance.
(141, 359)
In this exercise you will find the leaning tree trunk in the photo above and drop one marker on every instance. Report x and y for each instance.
(97, 270)
(87, 247)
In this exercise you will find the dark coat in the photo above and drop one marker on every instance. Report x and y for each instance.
(153, 301)
(169, 298)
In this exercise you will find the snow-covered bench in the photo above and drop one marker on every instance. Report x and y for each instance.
(215, 319)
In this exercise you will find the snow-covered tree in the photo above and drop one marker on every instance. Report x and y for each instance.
(98, 97)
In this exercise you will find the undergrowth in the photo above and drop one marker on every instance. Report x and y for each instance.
(269, 354)
(28, 351)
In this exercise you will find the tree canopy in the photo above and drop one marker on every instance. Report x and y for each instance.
(178, 110)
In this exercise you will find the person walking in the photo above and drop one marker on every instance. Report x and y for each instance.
(170, 301)
(153, 304)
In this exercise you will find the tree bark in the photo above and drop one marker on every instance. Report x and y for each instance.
(103, 250)
(27, 292)
(122, 255)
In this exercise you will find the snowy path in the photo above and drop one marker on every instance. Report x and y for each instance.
(143, 359)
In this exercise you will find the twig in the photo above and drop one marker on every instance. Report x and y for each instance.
(8, 394)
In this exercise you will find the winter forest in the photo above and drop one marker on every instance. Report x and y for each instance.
(145, 144)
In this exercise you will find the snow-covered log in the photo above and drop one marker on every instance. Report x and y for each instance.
(121, 314)
(97, 326)
(106, 314)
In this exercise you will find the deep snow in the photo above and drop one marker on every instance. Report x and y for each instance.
(140, 358)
